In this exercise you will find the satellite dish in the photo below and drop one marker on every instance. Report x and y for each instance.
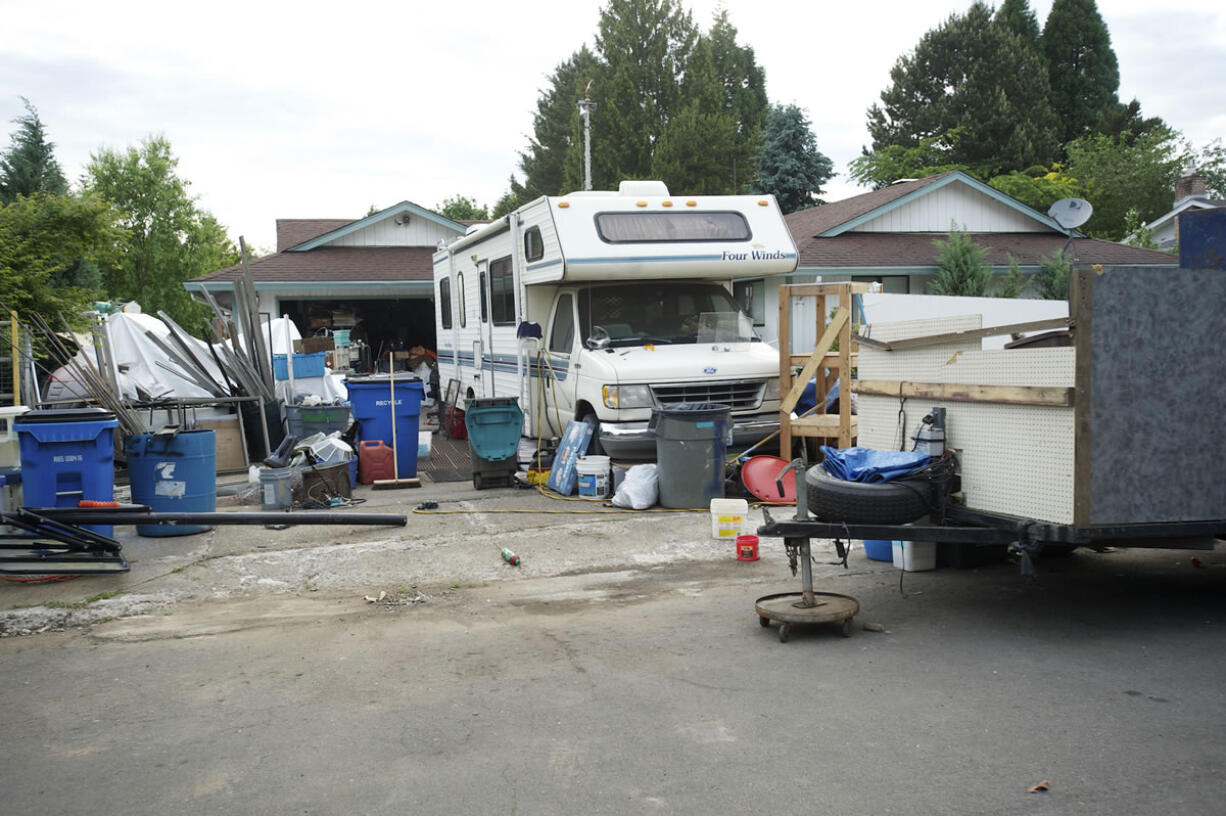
(1071, 213)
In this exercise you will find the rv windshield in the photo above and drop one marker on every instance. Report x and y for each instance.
(631, 314)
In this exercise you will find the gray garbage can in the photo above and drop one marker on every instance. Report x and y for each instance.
(691, 445)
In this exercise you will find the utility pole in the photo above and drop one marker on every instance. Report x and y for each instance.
(585, 110)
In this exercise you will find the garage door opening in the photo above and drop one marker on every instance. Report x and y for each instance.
(375, 326)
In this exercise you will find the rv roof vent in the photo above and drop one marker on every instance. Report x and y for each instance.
(641, 188)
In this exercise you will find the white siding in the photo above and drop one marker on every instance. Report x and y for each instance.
(412, 231)
(971, 210)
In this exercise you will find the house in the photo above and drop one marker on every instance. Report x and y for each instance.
(887, 236)
(1191, 194)
(372, 277)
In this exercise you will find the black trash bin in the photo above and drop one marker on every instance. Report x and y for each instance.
(691, 445)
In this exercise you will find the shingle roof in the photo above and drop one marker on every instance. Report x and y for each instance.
(878, 249)
(294, 231)
(337, 264)
(807, 224)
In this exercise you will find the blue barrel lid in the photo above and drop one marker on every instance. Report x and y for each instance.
(63, 415)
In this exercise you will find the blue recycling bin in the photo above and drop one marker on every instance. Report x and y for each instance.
(173, 474)
(67, 456)
(370, 399)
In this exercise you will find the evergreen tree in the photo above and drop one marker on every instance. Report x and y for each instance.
(1053, 276)
(1082, 68)
(553, 128)
(962, 267)
(643, 46)
(979, 78)
(744, 83)
(1018, 17)
(1124, 123)
(167, 238)
(29, 165)
(790, 167)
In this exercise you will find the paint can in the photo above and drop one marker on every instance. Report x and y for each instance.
(747, 548)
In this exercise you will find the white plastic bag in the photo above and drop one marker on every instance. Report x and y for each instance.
(640, 489)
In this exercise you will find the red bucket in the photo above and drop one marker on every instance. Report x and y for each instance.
(747, 548)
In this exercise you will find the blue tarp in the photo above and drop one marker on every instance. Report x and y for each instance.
(868, 465)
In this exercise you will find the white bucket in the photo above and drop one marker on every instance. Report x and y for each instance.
(593, 476)
(424, 439)
(728, 517)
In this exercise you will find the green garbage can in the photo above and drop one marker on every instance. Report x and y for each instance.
(691, 445)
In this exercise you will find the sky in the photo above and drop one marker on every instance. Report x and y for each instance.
(323, 110)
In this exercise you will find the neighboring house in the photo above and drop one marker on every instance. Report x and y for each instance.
(1191, 193)
(373, 276)
(887, 236)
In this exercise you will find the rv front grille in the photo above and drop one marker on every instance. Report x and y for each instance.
(740, 396)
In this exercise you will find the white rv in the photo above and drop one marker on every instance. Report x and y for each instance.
(602, 306)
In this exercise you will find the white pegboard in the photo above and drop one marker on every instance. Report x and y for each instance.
(1013, 459)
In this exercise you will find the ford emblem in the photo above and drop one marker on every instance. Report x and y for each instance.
(708, 371)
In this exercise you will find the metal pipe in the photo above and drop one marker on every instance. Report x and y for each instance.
(122, 516)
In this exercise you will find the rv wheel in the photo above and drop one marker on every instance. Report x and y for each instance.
(594, 447)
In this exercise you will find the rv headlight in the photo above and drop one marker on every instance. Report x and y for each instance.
(627, 396)
(771, 392)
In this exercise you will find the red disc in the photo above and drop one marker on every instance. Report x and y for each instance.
(759, 474)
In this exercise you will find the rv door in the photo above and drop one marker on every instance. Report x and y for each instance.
(559, 375)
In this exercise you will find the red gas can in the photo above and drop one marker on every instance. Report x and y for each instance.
(375, 461)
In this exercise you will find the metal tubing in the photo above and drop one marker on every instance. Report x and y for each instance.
(72, 515)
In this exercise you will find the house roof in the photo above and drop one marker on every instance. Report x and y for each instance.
(909, 250)
(818, 220)
(1188, 203)
(350, 227)
(336, 264)
(294, 231)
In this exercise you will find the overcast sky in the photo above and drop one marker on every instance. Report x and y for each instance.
(321, 110)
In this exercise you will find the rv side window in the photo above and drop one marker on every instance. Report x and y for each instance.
(502, 288)
(485, 312)
(751, 297)
(459, 291)
(444, 302)
(562, 336)
(534, 245)
(661, 227)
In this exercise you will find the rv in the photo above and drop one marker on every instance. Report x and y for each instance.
(604, 306)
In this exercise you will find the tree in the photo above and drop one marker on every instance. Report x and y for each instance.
(1124, 123)
(1136, 232)
(790, 167)
(744, 91)
(462, 208)
(1211, 163)
(1014, 282)
(1039, 187)
(701, 147)
(553, 128)
(886, 165)
(1019, 18)
(980, 78)
(1053, 276)
(51, 251)
(962, 267)
(167, 238)
(1117, 177)
(29, 165)
(643, 46)
(1083, 71)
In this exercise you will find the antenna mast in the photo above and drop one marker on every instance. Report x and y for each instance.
(585, 110)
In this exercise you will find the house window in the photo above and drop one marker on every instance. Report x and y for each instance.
(485, 312)
(662, 227)
(534, 245)
(562, 335)
(751, 297)
(502, 291)
(444, 302)
(459, 291)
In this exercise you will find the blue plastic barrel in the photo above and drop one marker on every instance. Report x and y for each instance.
(66, 457)
(173, 474)
(370, 399)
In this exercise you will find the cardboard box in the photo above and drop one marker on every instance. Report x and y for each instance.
(311, 345)
(229, 443)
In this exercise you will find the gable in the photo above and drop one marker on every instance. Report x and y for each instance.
(401, 230)
(960, 204)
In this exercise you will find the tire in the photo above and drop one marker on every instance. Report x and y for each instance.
(893, 502)
(594, 447)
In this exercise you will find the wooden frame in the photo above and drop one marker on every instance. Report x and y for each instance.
(826, 365)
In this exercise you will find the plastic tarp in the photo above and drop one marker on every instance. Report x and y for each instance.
(869, 465)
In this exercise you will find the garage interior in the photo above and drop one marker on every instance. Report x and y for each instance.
(375, 326)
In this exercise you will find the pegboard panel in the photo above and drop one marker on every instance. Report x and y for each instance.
(1014, 459)
(906, 329)
(876, 364)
